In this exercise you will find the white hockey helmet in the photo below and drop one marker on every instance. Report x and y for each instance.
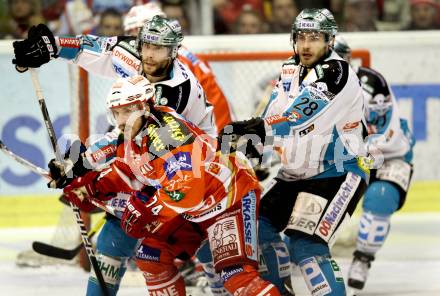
(128, 91)
(139, 14)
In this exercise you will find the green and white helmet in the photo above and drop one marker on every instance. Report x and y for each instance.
(317, 20)
(161, 31)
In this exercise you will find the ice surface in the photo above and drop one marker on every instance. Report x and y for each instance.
(409, 264)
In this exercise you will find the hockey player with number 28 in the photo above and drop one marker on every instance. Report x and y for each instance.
(389, 183)
(315, 118)
(177, 179)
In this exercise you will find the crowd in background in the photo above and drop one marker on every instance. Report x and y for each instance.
(105, 17)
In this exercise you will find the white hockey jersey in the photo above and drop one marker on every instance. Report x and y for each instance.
(116, 57)
(388, 132)
(317, 119)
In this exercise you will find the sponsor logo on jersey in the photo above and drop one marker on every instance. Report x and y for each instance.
(275, 119)
(306, 212)
(110, 269)
(176, 183)
(228, 272)
(185, 75)
(156, 141)
(337, 207)
(319, 94)
(154, 226)
(69, 42)
(288, 70)
(205, 215)
(120, 201)
(108, 43)
(351, 125)
(175, 195)
(315, 279)
(283, 259)
(293, 116)
(223, 239)
(120, 71)
(248, 204)
(127, 58)
(286, 85)
(180, 161)
(307, 130)
(214, 168)
(103, 153)
(148, 254)
(175, 130)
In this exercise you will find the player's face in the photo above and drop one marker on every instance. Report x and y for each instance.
(155, 59)
(310, 46)
(129, 119)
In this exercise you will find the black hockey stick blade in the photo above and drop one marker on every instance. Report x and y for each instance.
(56, 252)
(66, 254)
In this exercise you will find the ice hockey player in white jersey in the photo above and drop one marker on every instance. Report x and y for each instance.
(153, 53)
(389, 183)
(315, 119)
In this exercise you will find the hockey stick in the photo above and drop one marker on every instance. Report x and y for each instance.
(79, 220)
(66, 254)
(42, 172)
(24, 162)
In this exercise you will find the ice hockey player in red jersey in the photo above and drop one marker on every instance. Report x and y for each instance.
(181, 191)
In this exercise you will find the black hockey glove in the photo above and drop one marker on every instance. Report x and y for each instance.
(253, 126)
(262, 173)
(74, 165)
(230, 135)
(38, 49)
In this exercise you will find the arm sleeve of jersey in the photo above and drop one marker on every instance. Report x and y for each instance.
(319, 93)
(92, 53)
(103, 151)
(116, 178)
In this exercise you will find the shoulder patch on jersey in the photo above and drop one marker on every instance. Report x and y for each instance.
(129, 46)
(334, 73)
(107, 44)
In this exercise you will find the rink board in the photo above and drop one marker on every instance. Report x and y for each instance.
(43, 210)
